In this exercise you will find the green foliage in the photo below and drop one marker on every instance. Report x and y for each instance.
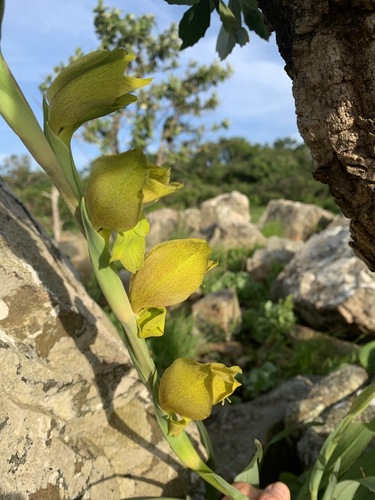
(272, 321)
(366, 356)
(273, 228)
(178, 340)
(163, 112)
(259, 380)
(196, 20)
(262, 172)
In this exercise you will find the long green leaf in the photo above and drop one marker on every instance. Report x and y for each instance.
(250, 474)
(345, 490)
(359, 405)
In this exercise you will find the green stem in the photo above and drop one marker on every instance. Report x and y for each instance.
(17, 113)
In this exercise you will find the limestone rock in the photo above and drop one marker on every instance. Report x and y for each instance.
(73, 245)
(74, 420)
(218, 310)
(258, 419)
(327, 403)
(332, 289)
(164, 222)
(235, 235)
(276, 252)
(297, 221)
(233, 207)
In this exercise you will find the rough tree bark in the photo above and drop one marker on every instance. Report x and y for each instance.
(329, 50)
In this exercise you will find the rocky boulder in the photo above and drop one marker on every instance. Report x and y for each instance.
(163, 223)
(276, 253)
(74, 420)
(295, 220)
(219, 312)
(332, 289)
(233, 206)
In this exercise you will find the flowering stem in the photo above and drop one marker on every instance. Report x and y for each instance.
(17, 113)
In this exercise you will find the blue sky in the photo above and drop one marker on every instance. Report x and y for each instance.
(38, 34)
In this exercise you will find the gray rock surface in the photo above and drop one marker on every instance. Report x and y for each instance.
(218, 311)
(276, 252)
(332, 289)
(233, 206)
(74, 420)
(296, 220)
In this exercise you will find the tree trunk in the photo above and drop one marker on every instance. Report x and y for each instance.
(329, 50)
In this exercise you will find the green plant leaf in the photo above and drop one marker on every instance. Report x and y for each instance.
(194, 23)
(358, 406)
(345, 490)
(351, 445)
(332, 482)
(366, 356)
(231, 22)
(250, 474)
(255, 21)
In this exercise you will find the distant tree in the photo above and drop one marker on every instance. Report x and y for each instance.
(167, 113)
(35, 190)
(263, 172)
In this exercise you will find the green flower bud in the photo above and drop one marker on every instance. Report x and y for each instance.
(92, 86)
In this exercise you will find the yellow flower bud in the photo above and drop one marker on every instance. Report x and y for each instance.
(190, 389)
(171, 272)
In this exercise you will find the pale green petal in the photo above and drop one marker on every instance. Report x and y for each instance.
(114, 191)
(223, 381)
(158, 185)
(172, 271)
(151, 322)
(129, 247)
(92, 86)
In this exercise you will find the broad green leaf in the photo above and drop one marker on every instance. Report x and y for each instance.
(345, 490)
(194, 23)
(250, 474)
(115, 190)
(363, 467)
(366, 356)
(231, 22)
(368, 482)
(225, 43)
(351, 445)
(151, 322)
(172, 271)
(255, 21)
